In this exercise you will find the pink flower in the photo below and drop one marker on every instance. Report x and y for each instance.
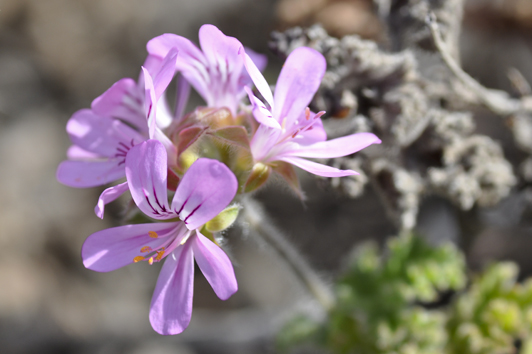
(288, 130)
(122, 117)
(216, 71)
(205, 190)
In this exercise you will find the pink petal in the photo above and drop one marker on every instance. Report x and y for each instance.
(123, 100)
(206, 189)
(261, 113)
(146, 172)
(166, 73)
(222, 53)
(182, 95)
(314, 135)
(150, 102)
(260, 61)
(263, 141)
(299, 80)
(114, 248)
(192, 63)
(109, 195)
(215, 266)
(101, 135)
(76, 153)
(84, 174)
(343, 146)
(171, 304)
(260, 82)
(317, 168)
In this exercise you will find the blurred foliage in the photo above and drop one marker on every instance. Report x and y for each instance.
(416, 298)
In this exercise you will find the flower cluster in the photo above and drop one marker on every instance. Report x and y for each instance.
(184, 169)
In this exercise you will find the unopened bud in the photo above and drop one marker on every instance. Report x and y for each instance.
(258, 176)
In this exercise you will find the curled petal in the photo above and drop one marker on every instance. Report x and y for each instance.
(146, 172)
(171, 304)
(109, 195)
(215, 266)
(261, 113)
(260, 82)
(317, 168)
(298, 81)
(110, 249)
(206, 189)
(84, 174)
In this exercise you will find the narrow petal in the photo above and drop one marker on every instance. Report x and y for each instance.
(109, 195)
(206, 189)
(261, 113)
(317, 168)
(123, 100)
(114, 248)
(146, 172)
(260, 61)
(150, 102)
(299, 80)
(343, 146)
(171, 304)
(101, 135)
(260, 82)
(166, 73)
(215, 266)
(85, 174)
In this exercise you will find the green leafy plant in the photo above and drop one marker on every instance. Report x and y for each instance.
(415, 299)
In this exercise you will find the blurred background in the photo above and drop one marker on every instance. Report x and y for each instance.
(56, 56)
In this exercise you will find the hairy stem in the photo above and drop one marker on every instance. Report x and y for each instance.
(254, 216)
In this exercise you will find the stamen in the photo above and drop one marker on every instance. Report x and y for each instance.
(160, 254)
(150, 261)
(145, 249)
(138, 259)
(295, 134)
(307, 113)
(153, 234)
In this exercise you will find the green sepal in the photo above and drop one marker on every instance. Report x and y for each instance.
(223, 220)
(258, 176)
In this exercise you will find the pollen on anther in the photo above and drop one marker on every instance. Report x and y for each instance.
(138, 259)
(145, 249)
(160, 254)
(150, 261)
(153, 234)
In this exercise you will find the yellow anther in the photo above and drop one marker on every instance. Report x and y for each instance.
(150, 261)
(153, 234)
(160, 254)
(138, 259)
(145, 249)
